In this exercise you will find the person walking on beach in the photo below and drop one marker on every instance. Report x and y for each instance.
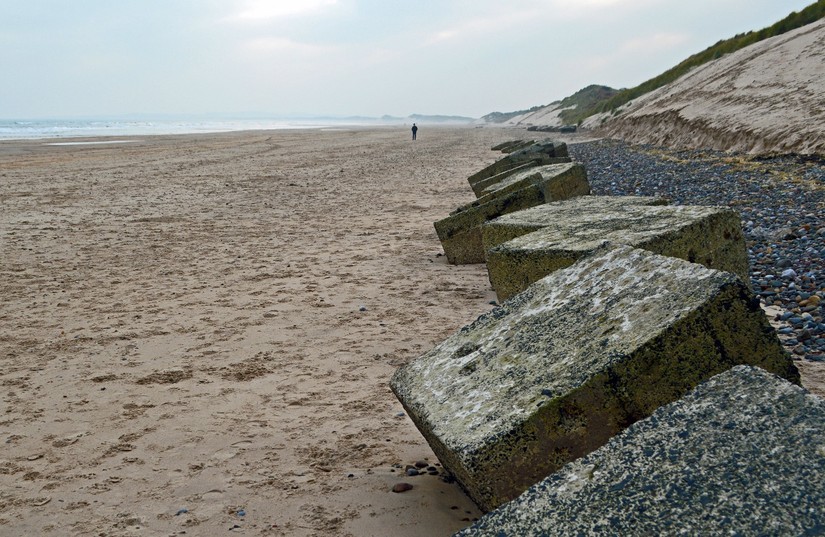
(414, 130)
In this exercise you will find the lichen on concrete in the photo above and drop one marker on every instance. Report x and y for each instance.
(460, 233)
(543, 152)
(479, 186)
(575, 185)
(555, 372)
(711, 236)
(555, 214)
(512, 145)
(742, 454)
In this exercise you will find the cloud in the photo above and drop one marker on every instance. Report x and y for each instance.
(269, 45)
(266, 10)
(589, 9)
(489, 24)
(654, 42)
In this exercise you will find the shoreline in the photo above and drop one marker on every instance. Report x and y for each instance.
(37, 130)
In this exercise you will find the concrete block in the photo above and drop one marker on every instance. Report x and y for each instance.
(479, 186)
(555, 372)
(574, 182)
(742, 454)
(553, 215)
(711, 236)
(460, 233)
(513, 145)
(544, 152)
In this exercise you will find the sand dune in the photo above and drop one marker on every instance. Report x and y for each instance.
(765, 98)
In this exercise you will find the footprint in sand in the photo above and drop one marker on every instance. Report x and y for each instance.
(228, 452)
(211, 495)
(69, 439)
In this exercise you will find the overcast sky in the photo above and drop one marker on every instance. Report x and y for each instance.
(96, 58)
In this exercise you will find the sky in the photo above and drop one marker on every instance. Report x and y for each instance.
(282, 58)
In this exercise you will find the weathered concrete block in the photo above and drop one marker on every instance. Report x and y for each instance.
(559, 369)
(742, 454)
(564, 181)
(460, 233)
(711, 236)
(510, 226)
(518, 167)
(544, 152)
(513, 145)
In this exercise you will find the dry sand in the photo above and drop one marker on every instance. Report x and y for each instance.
(195, 326)
(181, 329)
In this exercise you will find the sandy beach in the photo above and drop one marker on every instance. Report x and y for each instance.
(197, 332)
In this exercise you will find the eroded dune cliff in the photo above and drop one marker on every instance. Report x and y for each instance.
(766, 98)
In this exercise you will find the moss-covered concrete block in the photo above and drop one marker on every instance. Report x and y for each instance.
(512, 145)
(563, 181)
(518, 167)
(711, 236)
(460, 233)
(553, 215)
(543, 152)
(555, 372)
(742, 454)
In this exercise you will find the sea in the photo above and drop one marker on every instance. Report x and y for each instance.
(63, 128)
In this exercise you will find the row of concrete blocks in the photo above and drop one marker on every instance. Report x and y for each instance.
(607, 336)
(531, 218)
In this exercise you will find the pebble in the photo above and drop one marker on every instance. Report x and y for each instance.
(782, 219)
(402, 487)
